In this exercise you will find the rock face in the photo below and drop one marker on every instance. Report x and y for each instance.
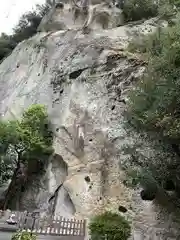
(65, 16)
(83, 80)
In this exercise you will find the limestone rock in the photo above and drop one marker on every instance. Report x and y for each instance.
(61, 17)
(83, 80)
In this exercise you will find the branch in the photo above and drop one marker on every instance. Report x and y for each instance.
(16, 162)
(18, 151)
(76, 4)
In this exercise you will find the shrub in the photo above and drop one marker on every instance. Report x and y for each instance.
(109, 224)
(23, 235)
(166, 11)
(143, 44)
(150, 45)
(135, 10)
(153, 106)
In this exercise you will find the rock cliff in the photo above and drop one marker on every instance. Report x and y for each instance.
(83, 80)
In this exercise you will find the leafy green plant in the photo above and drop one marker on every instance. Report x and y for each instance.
(166, 11)
(26, 28)
(133, 177)
(109, 226)
(140, 9)
(154, 103)
(135, 10)
(149, 45)
(27, 141)
(153, 106)
(23, 235)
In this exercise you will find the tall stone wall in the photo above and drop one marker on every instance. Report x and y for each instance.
(83, 80)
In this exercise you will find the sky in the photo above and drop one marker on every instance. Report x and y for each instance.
(11, 11)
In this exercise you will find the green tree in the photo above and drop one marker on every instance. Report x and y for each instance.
(25, 140)
(25, 146)
(44, 8)
(7, 44)
(26, 28)
(35, 132)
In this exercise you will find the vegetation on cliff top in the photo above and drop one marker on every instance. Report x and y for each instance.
(26, 28)
(135, 10)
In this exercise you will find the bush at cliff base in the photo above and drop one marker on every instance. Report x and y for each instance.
(110, 226)
(23, 235)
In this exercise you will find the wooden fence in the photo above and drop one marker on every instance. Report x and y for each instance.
(34, 223)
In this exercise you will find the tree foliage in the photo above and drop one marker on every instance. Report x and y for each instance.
(135, 10)
(25, 141)
(154, 105)
(110, 225)
(23, 235)
(26, 28)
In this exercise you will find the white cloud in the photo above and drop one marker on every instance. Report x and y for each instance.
(11, 11)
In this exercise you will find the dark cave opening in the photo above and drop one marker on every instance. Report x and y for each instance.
(122, 209)
(87, 179)
(147, 195)
(169, 185)
(59, 5)
(113, 107)
(75, 74)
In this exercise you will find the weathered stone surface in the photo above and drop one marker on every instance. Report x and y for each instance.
(47, 191)
(83, 80)
(61, 17)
